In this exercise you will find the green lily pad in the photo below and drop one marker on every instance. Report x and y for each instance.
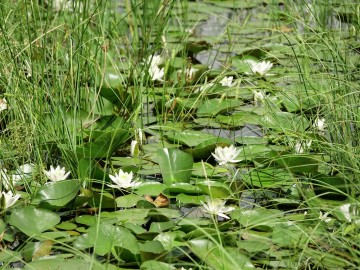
(40, 220)
(238, 119)
(213, 107)
(256, 152)
(204, 149)
(284, 121)
(106, 236)
(104, 145)
(215, 189)
(175, 165)
(261, 219)
(190, 199)
(59, 263)
(57, 194)
(152, 264)
(218, 257)
(190, 138)
(186, 188)
(251, 140)
(269, 178)
(299, 163)
(206, 170)
(129, 200)
(150, 188)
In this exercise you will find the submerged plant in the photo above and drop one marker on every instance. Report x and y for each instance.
(57, 174)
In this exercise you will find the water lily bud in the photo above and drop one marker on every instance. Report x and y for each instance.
(134, 148)
(3, 104)
(258, 98)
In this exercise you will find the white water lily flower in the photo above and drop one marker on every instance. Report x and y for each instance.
(155, 60)
(320, 124)
(227, 81)
(57, 174)
(10, 180)
(156, 73)
(350, 212)
(301, 146)
(191, 72)
(3, 104)
(27, 168)
(123, 180)
(324, 217)
(259, 97)
(260, 68)
(224, 155)
(66, 5)
(217, 207)
(206, 87)
(9, 199)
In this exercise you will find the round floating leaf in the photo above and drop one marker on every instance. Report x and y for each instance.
(249, 140)
(260, 218)
(175, 165)
(190, 138)
(212, 107)
(238, 119)
(152, 264)
(106, 236)
(129, 200)
(215, 189)
(66, 264)
(205, 170)
(299, 163)
(331, 186)
(256, 151)
(283, 121)
(39, 219)
(104, 145)
(190, 199)
(186, 188)
(57, 194)
(269, 178)
(218, 257)
(204, 149)
(150, 188)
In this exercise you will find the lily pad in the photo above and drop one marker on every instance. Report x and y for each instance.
(186, 188)
(106, 236)
(57, 194)
(215, 189)
(269, 178)
(40, 220)
(218, 257)
(213, 107)
(190, 138)
(175, 165)
(104, 145)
